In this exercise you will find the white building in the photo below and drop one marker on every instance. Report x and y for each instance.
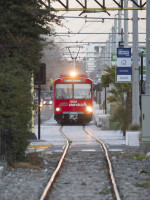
(92, 58)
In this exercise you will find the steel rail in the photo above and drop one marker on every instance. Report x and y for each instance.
(47, 188)
(109, 165)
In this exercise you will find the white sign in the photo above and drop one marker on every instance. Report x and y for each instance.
(124, 64)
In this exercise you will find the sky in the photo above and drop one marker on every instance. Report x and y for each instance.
(85, 25)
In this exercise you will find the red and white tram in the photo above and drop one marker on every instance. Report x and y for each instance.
(73, 99)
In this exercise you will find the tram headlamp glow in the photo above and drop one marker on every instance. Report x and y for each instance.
(89, 108)
(73, 73)
(58, 109)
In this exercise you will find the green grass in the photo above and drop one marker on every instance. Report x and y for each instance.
(143, 185)
(139, 157)
(114, 126)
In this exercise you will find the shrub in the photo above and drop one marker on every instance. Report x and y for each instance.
(134, 127)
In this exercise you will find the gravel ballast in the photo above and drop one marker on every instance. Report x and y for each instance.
(132, 174)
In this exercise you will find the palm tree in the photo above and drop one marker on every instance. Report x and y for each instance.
(120, 98)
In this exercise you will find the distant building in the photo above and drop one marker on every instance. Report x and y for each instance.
(92, 58)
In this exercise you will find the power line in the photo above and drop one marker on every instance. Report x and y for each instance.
(103, 18)
(71, 33)
(92, 42)
(95, 58)
(79, 52)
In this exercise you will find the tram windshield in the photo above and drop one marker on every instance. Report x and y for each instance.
(82, 91)
(63, 91)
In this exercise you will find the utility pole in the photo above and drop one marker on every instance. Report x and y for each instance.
(147, 47)
(109, 54)
(145, 99)
(115, 45)
(135, 70)
(107, 51)
(119, 21)
(119, 28)
(126, 24)
(113, 40)
(39, 103)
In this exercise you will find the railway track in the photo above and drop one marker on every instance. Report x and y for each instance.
(75, 162)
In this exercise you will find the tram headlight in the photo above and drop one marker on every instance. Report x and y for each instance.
(73, 73)
(58, 109)
(89, 108)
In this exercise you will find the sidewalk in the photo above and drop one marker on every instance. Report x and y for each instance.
(102, 120)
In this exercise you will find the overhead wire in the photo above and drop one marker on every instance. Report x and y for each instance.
(87, 25)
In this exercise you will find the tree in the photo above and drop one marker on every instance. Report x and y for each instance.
(21, 25)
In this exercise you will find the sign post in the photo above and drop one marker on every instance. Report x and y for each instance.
(123, 64)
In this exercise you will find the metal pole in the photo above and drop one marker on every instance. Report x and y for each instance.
(125, 25)
(115, 37)
(109, 52)
(74, 63)
(135, 70)
(105, 102)
(141, 79)
(112, 40)
(106, 52)
(119, 21)
(32, 94)
(142, 73)
(39, 101)
(0, 144)
(147, 47)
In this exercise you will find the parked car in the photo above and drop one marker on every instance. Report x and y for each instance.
(48, 94)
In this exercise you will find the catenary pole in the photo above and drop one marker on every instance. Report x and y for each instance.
(126, 25)
(115, 44)
(135, 70)
(119, 21)
(109, 55)
(147, 46)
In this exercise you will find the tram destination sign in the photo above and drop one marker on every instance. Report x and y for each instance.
(123, 64)
(72, 80)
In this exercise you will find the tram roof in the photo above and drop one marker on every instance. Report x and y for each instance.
(67, 77)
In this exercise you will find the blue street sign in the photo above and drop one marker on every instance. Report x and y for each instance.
(123, 52)
(124, 64)
(123, 71)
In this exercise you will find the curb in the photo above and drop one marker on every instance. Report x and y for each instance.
(3, 167)
(1, 171)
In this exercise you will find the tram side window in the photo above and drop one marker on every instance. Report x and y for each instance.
(82, 91)
(63, 91)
